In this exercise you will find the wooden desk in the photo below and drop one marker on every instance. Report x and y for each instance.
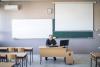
(22, 56)
(7, 64)
(95, 56)
(30, 50)
(53, 52)
(27, 49)
(3, 49)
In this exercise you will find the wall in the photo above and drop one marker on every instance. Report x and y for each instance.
(38, 10)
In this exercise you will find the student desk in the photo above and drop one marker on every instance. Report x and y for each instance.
(4, 49)
(53, 52)
(22, 56)
(7, 64)
(95, 56)
(27, 49)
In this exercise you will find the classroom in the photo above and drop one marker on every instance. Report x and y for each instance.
(49, 33)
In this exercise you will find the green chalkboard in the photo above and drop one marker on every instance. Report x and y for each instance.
(71, 34)
(74, 34)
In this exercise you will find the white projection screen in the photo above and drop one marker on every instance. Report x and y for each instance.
(31, 28)
(74, 16)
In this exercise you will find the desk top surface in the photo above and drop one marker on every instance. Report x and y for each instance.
(59, 47)
(3, 48)
(16, 47)
(96, 54)
(51, 47)
(18, 54)
(6, 64)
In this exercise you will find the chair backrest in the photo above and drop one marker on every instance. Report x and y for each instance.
(11, 57)
(21, 50)
(3, 58)
(64, 42)
(11, 49)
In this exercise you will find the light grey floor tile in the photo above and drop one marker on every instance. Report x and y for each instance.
(81, 60)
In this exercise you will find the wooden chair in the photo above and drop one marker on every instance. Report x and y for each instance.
(95, 56)
(20, 50)
(69, 57)
(13, 58)
(3, 58)
(11, 49)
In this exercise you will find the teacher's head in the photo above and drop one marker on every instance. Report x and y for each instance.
(50, 37)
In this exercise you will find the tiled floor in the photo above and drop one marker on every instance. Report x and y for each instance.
(81, 60)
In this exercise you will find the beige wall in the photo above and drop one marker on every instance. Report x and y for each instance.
(31, 10)
(28, 10)
(97, 15)
(38, 10)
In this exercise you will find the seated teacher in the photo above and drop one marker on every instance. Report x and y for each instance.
(51, 42)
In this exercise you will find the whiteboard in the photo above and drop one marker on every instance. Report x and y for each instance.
(74, 16)
(31, 28)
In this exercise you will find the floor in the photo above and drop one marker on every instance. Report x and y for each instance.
(81, 60)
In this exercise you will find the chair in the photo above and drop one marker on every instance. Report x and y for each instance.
(3, 58)
(64, 43)
(13, 58)
(94, 56)
(69, 57)
(20, 50)
(10, 49)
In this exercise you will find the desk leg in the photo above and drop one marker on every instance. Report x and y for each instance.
(22, 62)
(16, 62)
(65, 60)
(96, 63)
(40, 59)
(90, 62)
(26, 60)
(32, 55)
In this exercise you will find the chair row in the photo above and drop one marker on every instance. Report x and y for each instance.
(14, 57)
(11, 49)
(29, 50)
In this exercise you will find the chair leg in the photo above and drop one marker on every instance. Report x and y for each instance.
(65, 60)
(96, 63)
(91, 62)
